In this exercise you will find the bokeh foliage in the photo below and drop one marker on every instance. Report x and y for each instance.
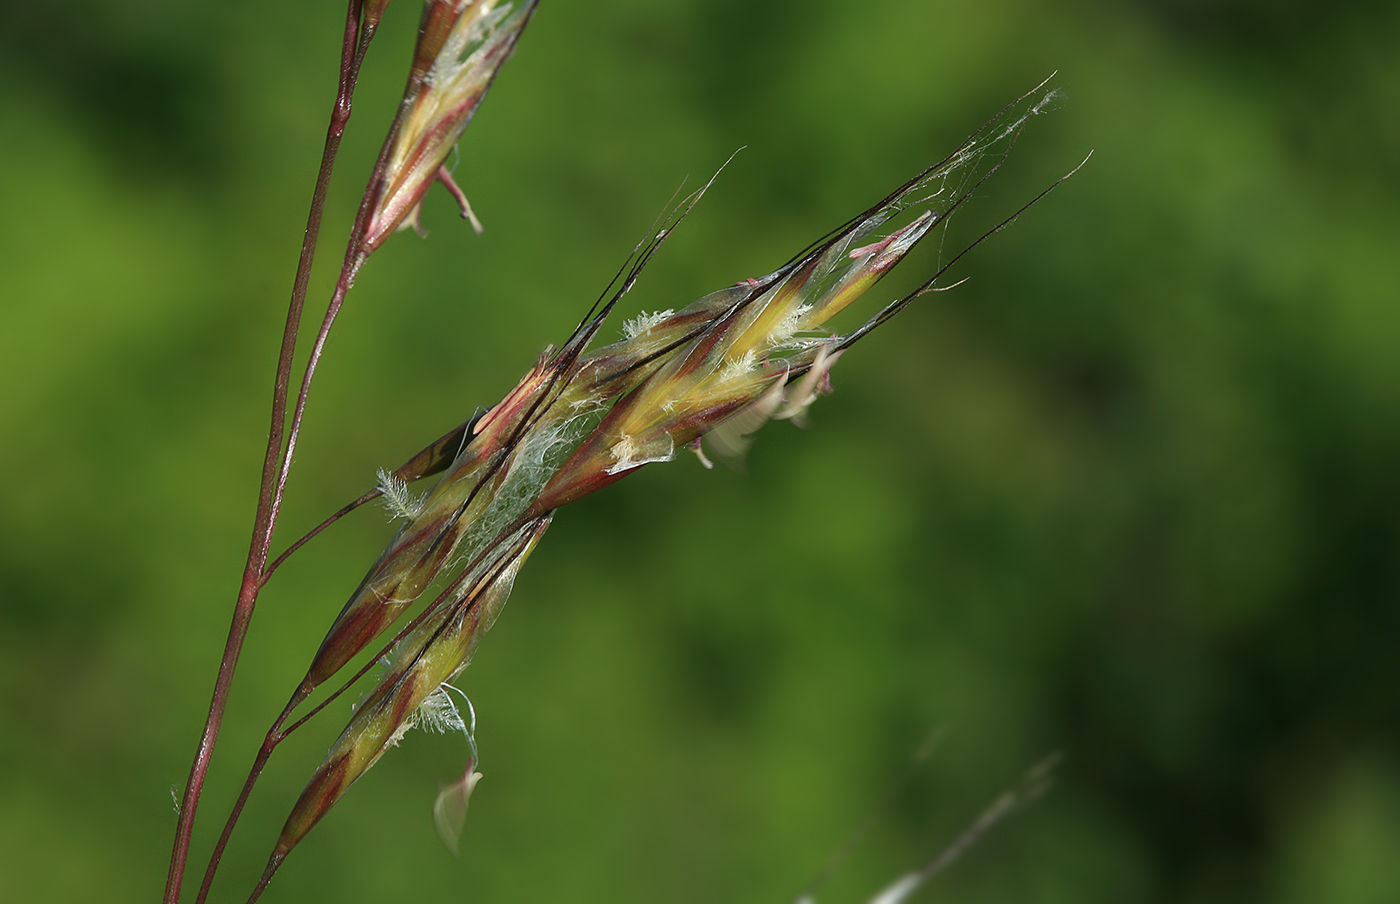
(1131, 493)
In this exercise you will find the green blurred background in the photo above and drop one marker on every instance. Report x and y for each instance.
(1129, 494)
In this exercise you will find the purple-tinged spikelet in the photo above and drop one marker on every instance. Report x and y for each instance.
(462, 44)
(440, 646)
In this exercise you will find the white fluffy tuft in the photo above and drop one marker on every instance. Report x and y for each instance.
(643, 322)
(399, 501)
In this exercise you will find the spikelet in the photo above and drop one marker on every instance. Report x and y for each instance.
(461, 46)
(440, 646)
(727, 362)
(482, 495)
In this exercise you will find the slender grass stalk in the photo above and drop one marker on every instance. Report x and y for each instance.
(359, 31)
(1032, 785)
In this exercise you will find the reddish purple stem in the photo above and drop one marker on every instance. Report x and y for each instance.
(353, 47)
